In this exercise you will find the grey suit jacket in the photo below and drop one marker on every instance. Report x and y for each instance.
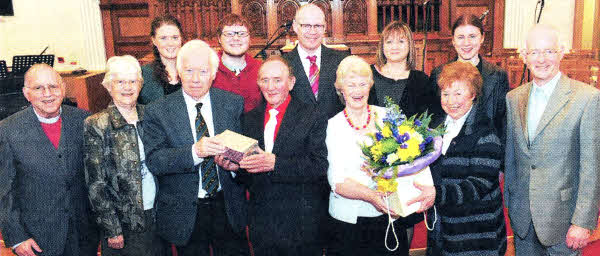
(42, 187)
(328, 102)
(168, 142)
(553, 180)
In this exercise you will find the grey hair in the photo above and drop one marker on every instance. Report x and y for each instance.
(198, 46)
(122, 64)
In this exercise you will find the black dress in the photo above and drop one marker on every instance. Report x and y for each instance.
(412, 94)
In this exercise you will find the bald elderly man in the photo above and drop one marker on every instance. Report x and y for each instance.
(552, 189)
(44, 208)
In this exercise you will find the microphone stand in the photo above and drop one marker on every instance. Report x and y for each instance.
(262, 51)
(536, 21)
(425, 35)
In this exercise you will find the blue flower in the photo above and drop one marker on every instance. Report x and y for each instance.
(418, 122)
(383, 159)
(378, 136)
(404, 146)
(422, 146)
(406, 136)
(428, 139)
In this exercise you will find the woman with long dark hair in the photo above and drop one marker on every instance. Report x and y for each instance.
(160, 76)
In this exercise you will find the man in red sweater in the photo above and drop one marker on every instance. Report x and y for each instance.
(44, 207)
(237, 71)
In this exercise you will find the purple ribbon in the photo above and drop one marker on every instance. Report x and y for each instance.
(422, 162)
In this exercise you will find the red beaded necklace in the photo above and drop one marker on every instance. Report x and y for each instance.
(358, 127)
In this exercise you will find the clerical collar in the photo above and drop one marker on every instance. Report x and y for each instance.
(48, 120)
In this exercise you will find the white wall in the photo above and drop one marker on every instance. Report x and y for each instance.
(71, 28)
(519, 17)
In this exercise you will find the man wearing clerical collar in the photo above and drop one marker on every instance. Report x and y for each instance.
(238, 70)
(41, 165)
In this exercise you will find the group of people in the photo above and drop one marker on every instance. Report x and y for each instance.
(149, 172)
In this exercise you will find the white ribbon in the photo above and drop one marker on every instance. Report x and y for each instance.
(390, 224)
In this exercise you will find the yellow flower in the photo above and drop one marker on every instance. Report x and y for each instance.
(376, 151)
(402, 129)
(410, 152)
(385, 185)
(387, 131)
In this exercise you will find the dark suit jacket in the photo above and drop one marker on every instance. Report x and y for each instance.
(328, 101)
(168, 142)
(492, 101)
(288, 203)
(42, 187)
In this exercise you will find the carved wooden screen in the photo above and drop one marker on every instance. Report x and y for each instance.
(199, 18)
(326, 7)
(286, 10)
(412, 12)
(355, 17)
(255, 11)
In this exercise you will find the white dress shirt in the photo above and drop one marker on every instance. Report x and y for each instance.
(453, 127)
(305, 62)
(206, 111)
(538, 100)
(148, 184)
(345, 160)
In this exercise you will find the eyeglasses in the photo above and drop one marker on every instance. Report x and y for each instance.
(539, 53)
(233, 33)
(313, 26)
(52, 88)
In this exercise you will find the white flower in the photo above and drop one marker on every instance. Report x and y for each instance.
(391, 158)
(417, 136)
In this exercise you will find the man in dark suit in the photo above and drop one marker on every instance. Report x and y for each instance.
(44, 208)
(286, 204)
(198, 205)
(314, 65)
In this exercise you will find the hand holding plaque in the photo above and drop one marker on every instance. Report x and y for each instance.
(237, 145)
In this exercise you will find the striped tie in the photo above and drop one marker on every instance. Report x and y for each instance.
(209, 171)
(313, 75)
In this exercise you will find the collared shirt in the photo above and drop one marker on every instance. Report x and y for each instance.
(190, 104)
(453, 127)
(305, 62)
(48, 120)
(244, 83)
(538, 100)
(280, 112)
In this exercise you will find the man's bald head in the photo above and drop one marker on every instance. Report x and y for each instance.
(44, 89)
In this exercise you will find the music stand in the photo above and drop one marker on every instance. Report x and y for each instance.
(3, 70)
(22, 63)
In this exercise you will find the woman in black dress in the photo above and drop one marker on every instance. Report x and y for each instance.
(395, 76)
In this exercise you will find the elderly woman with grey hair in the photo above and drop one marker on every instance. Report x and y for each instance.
(359, 212)
(121, 189)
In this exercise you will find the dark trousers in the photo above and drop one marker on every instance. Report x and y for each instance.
(530, 245)
(82, 241)
(366, 237)
(142, 243)
(213, 231)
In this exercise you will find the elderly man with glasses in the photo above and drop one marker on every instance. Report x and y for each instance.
(552, 157)
(44, 207)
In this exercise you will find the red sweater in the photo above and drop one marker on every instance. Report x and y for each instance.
(52, 131)
(243, 84)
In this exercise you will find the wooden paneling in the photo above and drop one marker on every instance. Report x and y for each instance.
(255, 11)
(355, 17)
(129, 24)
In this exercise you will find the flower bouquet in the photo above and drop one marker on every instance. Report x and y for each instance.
(399, 154)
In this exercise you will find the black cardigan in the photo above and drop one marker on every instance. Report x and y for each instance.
(416, 98)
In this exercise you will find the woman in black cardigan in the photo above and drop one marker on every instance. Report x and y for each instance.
(394, 74)
(467, 37)
(468, 217)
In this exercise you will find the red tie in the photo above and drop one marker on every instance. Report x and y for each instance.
(313, 74)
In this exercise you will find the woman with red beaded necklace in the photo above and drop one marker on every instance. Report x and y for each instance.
(358, 211)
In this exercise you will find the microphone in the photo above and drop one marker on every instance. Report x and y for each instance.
(426, 2)
(542, 4)
(484, 14)
(287, 24)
